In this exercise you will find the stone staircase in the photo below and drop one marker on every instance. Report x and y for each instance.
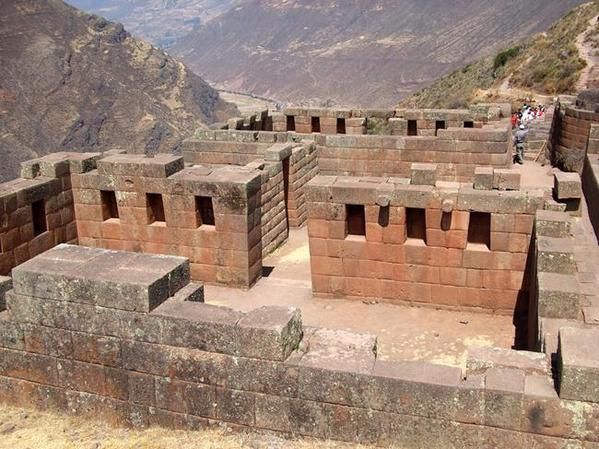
(538, 135)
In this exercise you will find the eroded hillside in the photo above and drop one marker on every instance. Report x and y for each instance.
(357, 52)
(72, 81)
(161, 22)
(558, 61)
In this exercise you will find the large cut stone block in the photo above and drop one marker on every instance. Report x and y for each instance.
(278, 152)
(578, 361)
(483, 178)
(555, 255)
(269, 332)
(553, 224)
(424, 174)
(112, 279)
(159, 166)
(567, 186)
(558, 296)
(504, 179)
(199, 326)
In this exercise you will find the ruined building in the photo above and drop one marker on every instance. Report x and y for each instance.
(108, 254)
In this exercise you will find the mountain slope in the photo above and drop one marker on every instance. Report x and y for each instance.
(71, 81)
(161, 22)
(548, 63)
(355, 52)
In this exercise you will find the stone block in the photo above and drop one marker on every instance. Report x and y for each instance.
(343, 350)
(270, 333)
(278, 152)
(113, 279)
(139, 165)
(480, 359)
(558, 296)
(578, 364)
(567, 186)
(554, 206)
(483, 178)
(199, 326)
(504, 179)
(504, 395)
(555, 255)
(553, 224)
(11, 333)
(423, 174)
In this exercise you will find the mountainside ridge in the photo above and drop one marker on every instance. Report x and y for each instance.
(357, 52)
(547, 64)
(74, 81)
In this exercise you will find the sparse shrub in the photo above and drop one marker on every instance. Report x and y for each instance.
(504, 56)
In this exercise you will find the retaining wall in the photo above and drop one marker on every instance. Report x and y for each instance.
(156, 356)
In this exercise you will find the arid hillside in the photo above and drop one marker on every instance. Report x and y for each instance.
(72, 81)
(355, 52)
(562, 60)
(160, 22)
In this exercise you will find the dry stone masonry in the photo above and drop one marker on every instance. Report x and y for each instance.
(104, 258)
(123, 337)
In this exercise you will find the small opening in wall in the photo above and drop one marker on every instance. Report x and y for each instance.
(416, 223)
(315, 124)
(204, 211)
(479, 228)
(412, 128)
(155, 208)
(38, 212)
(469, 124)
(439, 124)
(290, 123)
(340, 126)
(355, 219)
(110, 208)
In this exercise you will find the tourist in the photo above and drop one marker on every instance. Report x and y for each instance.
(519, 141)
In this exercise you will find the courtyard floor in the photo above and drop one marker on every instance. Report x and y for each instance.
(404, 332)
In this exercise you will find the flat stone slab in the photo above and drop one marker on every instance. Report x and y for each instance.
(578, 361)
(480, 359)
(567, 186)
(113, 279)
(339, 350)
(553, 224)
(559, 295)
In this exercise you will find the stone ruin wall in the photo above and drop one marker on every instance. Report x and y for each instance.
(285, 168)
(575, 133)
(210, 215)
(416, 122)
(125, 338)
(457, 152)
(448, 245)
(36, 211)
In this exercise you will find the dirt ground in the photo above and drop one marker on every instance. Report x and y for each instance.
(29, 429)
(404, 332)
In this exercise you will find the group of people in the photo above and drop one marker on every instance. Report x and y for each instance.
(521, 119)
(527, 114)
